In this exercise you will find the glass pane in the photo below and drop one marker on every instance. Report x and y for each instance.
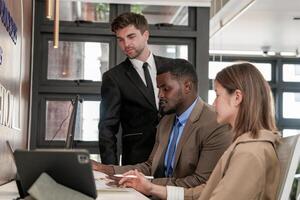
(290, 132)
(215, 67)
(72, 10)
(290, 102)
(58, 117)
(211, 96)
(265, 69)
(170, 51)
(77, 60)
(176, 15)
(89, 118)
(291, 72)
(95, 157)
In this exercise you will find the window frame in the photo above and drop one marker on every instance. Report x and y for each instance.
(40, 133)
(72, 38)
(277, 85)
(195, 35)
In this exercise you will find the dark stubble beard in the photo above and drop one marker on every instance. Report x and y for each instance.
(138, 53)
(173, 110)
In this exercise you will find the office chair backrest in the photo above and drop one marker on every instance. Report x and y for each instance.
(289, 154)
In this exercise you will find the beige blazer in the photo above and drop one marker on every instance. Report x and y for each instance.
(202, 143)
(248, 170)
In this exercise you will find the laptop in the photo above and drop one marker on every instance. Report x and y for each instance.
(71, 168)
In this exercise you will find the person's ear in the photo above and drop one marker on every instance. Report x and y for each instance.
(238, 97)
(188, 86)
(146, 34)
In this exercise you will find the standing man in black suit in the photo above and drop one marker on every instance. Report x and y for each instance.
(129, 95)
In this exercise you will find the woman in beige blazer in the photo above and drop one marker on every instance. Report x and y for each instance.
(249, 169)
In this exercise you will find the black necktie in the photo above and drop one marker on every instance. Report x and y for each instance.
(148, 80)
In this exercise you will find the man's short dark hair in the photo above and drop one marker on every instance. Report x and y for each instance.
(130, 18)
(179, 68)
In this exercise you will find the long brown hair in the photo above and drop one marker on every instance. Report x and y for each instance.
(256, 110)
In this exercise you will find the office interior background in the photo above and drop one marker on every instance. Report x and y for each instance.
(43, 81)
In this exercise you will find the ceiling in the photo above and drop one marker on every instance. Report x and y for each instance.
(264, 23)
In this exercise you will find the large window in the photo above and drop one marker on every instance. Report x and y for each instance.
(289, 96)
(283, 75)
(215, 66)
(87, 49)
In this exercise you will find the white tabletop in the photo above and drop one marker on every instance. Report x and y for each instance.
(128, 195)
(9, 191)
(112, 193)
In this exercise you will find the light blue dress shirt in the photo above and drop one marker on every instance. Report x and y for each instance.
(182, 119)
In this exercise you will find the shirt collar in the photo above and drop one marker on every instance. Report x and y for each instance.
(139, 63)
(185, 115)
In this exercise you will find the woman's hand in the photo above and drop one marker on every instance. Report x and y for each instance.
(139, 183)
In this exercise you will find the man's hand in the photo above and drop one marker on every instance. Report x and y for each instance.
(109, 170)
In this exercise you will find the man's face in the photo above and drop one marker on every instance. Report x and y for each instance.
(131, 41)
(171, 94)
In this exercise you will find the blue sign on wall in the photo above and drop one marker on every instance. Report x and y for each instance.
(1, 55)
(8, 22)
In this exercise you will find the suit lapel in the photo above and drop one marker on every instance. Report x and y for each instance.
(165, 131)
(188, 129)
(137, 81)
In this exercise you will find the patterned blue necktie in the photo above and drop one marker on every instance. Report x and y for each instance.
(172, 149)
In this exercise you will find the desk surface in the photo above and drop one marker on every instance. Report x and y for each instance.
(9, 191)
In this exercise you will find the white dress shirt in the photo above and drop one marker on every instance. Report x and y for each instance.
(175, 193)
(138, 66)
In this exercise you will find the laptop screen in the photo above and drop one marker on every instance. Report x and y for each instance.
(71, 168)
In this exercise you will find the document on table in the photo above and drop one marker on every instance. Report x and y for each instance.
(102, 182)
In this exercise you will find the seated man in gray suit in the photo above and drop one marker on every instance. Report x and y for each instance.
(189, 141)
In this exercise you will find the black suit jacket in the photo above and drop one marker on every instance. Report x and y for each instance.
(126, 101)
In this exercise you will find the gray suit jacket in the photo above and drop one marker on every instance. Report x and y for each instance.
(202, 143)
